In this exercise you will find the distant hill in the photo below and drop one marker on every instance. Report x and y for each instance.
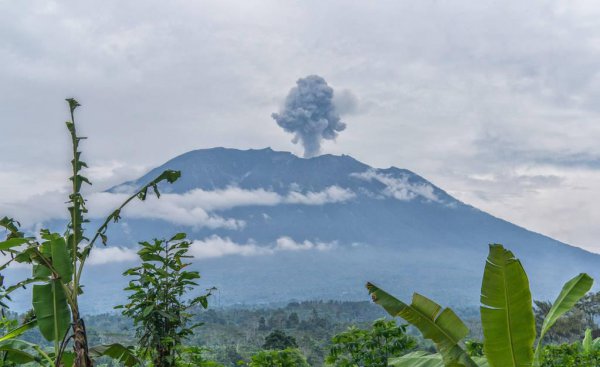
(275, 227)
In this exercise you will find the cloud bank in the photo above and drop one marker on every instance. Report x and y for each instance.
(196, 208)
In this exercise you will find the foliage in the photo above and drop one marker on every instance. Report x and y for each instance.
(569, 355)
(369, 348)
(571, 293)
(474, 348)
(506, 314)
(156, 305)
(443, 327)
(570, 327)
(279, 358)
(277, 339)
(192, 356)
(231, 334)
(58, 262)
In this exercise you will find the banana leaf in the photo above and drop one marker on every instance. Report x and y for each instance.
(506, 311)
(571, 293)
(443, 327)
(51, 310)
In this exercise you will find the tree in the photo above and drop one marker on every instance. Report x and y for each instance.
(293, 320)
(277, 339)
(370, 348)
(262, 323)
(57, 262)
(279, 358)
(157, 308)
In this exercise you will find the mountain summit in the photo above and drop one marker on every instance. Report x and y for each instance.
(270, 226)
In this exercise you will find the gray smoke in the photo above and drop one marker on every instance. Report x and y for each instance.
(309, 114)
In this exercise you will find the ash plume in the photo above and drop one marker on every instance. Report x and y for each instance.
(310, 114)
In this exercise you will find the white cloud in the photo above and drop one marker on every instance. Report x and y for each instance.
(332, 194)
(288, 244)
(216, 246)
(195, 208)
(399, 187)
(170, 207)
(105, 255)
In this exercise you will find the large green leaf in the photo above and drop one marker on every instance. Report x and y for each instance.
(506, 311)
(424, 359)
(443, 327)
(118, 352)
(571, 293)
(61, 259)
(12, 242)
(19, 330)
(51, 310)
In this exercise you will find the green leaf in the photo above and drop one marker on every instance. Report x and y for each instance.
(19, 330)
(40, 271)
(177, 237)
(61, 259)
(147, 310)
(73, 104)
(587, 341)
(118, 352)
(596, 344)
(51, 310)
(12, 242)
(443, 327)
(506, 311)
(571, 293)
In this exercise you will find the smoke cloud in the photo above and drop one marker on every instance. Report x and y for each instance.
(310, 114)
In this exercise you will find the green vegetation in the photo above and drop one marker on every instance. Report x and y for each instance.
(372, 347)
(156, 306)
(279, 358)
(58, 261)
(507, 315)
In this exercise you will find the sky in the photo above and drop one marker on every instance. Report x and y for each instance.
(495, 102)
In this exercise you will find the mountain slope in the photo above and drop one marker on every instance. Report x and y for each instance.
(276, 227)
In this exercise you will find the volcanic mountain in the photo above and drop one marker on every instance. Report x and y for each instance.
(270, 227)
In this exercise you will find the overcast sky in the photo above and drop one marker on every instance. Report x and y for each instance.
(497, 102)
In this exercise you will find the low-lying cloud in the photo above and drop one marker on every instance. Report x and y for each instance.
(196, 208)
(399, 188)
(214, 247)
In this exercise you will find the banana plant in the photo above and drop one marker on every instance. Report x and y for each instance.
(58, 261)
(506, 317)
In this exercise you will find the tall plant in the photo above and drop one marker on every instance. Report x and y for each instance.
(506, 317)
(58, 262)
(157, 304)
